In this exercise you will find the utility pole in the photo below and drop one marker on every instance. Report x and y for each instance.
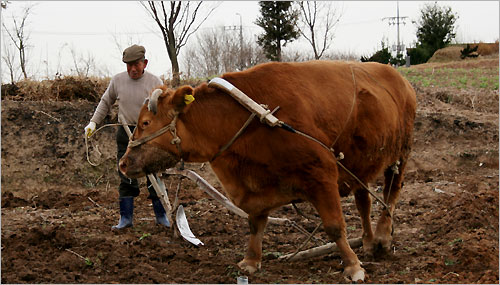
(3, 5)
(397, 21)
(241, 42)
(234, 28)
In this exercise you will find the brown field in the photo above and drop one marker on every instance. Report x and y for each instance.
(57, 210)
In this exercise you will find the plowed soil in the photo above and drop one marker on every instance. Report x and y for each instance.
(57, 209)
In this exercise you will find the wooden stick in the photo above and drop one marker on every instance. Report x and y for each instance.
(321, 250)
(69, 250)
(95, 203)
(59, 120)
(86, 259)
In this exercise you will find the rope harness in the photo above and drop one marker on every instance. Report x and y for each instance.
(170, 127)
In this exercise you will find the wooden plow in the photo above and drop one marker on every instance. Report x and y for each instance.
(298, 255)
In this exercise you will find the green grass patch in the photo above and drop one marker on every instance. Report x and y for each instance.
(460, 78)
(144, 235)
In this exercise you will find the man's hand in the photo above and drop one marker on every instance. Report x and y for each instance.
(90, 129)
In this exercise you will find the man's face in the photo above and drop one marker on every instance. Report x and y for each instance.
(136, 69)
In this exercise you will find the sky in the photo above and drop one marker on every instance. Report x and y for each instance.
(61, 31)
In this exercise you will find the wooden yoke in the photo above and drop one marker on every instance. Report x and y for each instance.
(263, 113)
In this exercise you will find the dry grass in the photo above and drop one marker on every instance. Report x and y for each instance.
(487, 48)
(68, 88)
(452, 53)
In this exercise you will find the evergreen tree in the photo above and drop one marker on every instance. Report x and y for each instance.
(278, 19)
(436, 26)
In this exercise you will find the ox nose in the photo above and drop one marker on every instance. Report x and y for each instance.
(123, 164)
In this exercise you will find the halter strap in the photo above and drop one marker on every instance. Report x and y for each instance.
(170, 127)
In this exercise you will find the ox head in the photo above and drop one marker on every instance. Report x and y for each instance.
(155, 144)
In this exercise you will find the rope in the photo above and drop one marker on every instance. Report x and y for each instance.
(249, 120)
(96, 131)
(242, 129)
(395, 170)
(366, 187)
(305, 242)
(343, 167)
(331, 150)
(352, 107)
(88, 157)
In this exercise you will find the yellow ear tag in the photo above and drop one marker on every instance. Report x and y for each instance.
(188, 99)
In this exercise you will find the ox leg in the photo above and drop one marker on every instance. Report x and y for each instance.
(384, 231)
(253, 256)
(364, 206)
(330, 210)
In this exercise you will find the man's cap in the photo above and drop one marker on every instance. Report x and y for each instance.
(133, 53)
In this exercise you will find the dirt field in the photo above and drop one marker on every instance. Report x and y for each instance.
(57, 210)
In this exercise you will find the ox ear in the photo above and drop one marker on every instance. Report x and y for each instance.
(183, 97)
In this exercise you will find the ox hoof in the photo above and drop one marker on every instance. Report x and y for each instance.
(249, 266)
(381, 246)
(356, 273)
(368, 247)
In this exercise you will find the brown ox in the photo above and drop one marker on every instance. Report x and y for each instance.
(364, 110)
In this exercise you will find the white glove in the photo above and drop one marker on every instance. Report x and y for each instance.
(90, 129)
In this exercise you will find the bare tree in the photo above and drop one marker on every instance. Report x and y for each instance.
(318, 20)
(218, 51)
(9, 59)
(130, 39)
(83, 64)
(20, 37)
(177, 21)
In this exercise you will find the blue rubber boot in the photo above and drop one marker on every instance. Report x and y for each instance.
(161, 216)
(126, 213)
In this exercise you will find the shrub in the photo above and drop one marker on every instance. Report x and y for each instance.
(469, 52)
(420, 54)
(381, 56)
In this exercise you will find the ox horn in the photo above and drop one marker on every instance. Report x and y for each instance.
(153, 100)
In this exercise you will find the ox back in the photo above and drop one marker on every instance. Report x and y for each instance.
(364, 110)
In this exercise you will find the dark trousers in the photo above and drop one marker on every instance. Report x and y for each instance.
(129, 187)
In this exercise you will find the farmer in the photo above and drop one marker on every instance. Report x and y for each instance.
(130, 89)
